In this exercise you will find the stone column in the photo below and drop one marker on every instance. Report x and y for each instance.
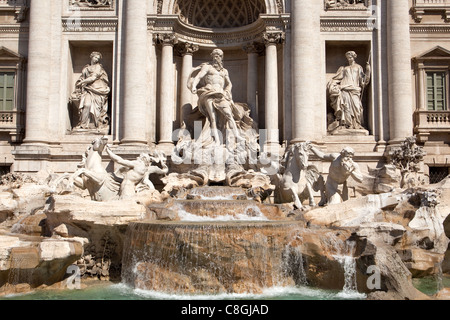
(306, 83)
(186, 50)
(167, 100)
(39, 71)
(422, 89)
(271, 41)
(253, 51)
(399, 65)
(134, 73)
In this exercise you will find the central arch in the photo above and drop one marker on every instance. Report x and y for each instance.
(219, 14)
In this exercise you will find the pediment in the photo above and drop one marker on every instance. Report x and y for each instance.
(436, 52)
(7, 54)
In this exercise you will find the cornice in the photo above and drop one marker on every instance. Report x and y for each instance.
(212, 37)
(89, 24)
(345, 25)
(429, 29)
(14, 28)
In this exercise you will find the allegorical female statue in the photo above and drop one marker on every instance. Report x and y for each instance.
(345, 90)
(91, 95)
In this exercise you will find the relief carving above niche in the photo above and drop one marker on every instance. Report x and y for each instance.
(92, 4)
(347, 4)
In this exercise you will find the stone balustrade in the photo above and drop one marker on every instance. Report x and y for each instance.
(420, 7)
(426, 122)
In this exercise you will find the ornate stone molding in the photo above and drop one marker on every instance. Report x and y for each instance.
(421, 7)
(254, 47)
(166, 39)
(185, 48)
(427, 29)
(20, 8)
(231, 37)
(273, 38)
(70, 24)
(345, 25)
(12, 29)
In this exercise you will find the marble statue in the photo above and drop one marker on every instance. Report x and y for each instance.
(91, 95)
(407, 158)
(136, 173)
(346, 91)
(228, 141)
(92, 176)
(342, 167)
(211, 82)
(297, 179)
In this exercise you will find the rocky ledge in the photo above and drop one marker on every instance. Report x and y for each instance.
(402, 234)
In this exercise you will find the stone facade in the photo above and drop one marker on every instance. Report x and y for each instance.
(280, 55)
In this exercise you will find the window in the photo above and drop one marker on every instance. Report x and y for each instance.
(437, 91)
(437, 174)
(7, 80)
(4, 170)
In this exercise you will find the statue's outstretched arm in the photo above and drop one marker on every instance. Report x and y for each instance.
(119, 160)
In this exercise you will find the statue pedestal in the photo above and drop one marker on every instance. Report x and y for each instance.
(79, 131)
(341, 131)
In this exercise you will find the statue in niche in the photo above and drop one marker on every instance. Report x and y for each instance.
(228, 142)
(212, 84)
(342, 167)
(346, 92)
(91, 96)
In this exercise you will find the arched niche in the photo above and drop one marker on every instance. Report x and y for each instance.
(171, 6)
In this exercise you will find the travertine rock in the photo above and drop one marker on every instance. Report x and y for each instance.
(29, 262)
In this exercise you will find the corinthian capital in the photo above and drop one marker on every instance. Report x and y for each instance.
(273, 38)
(185, 48)
(166, 39)
(254, 47)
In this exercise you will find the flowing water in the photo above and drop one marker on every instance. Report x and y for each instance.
(225, 247)
(107, 291)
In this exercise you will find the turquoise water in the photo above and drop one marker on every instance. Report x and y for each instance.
(429, 285)
(123, 292)
(111, 291)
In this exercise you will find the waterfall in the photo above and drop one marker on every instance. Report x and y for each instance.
(207, 257)
(294, 264)
(348, 262)
(349, 265)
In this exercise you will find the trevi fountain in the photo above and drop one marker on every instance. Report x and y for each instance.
(221, 217)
